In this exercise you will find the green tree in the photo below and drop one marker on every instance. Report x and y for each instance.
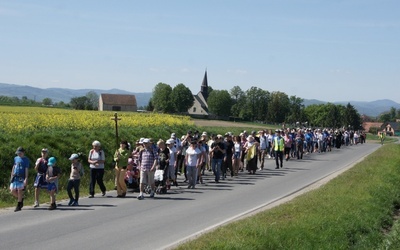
(161, 99)
(93, 100)
(392, 113)
(220, 102)
(47, 101)
(352, 117)
(385, 117)
(80, 103)
(182, 98)
(279, 107)
(238, 100)
(296, 111)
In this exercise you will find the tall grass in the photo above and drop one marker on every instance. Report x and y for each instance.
(351, 212)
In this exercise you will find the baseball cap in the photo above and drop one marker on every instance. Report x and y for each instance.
(146, 140)
(96, 143)
(20, 150)
(74, 156)
(173, 135)
(45, 150)
(170, 141)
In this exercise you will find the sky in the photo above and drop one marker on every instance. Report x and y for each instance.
(338, 50)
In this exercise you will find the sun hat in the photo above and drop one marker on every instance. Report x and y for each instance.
(20, 150)
(73, 156)
(52, 161)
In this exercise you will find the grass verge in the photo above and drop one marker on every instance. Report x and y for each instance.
(353, 211)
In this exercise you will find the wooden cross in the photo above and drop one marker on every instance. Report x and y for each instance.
(116, 119)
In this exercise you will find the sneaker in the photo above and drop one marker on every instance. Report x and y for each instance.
(71, 201)
(36, 204)
(75, 204)
(52, 206)
(91, 196)
(140, 197)
(18, 207)
(152, 195)
(103, 193)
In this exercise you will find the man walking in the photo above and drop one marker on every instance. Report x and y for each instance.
(147, 163)
(278, 146)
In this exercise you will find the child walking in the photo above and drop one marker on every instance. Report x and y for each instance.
(19, 177)
(74, 180)
(52, 176)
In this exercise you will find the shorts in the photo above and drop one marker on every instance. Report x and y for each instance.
(147, 177)
(40, 181)
(236, 155)
(17, 184)
(52, 187)
(171, 172)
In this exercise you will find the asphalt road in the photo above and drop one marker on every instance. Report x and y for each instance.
(114, 223)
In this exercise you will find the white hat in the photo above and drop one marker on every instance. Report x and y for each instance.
(74, 156)
(96, 143)
(146, 140)
(173, 135)
(204, 133)
(170, 141)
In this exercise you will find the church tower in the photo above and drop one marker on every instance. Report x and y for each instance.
(204, 87)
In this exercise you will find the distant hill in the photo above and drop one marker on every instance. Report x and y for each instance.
(373, 108)
(63, 94)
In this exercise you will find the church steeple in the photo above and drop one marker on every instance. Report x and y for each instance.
(204, 86)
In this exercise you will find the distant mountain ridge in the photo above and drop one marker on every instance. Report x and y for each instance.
(64, 94)
(373, 108)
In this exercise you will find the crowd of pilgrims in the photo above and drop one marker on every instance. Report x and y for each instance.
(230, 154)
(153, 167)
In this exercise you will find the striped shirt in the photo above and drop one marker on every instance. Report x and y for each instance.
(146, 159)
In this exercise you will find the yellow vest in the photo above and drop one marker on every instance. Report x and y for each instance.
(279, 145)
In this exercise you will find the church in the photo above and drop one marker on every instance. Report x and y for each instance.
(200, 107)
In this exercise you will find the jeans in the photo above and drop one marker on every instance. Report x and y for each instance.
(192, 175)
(96, 175)
(216, 167)
(75, 185)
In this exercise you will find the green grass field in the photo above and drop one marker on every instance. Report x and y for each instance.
(356, 210)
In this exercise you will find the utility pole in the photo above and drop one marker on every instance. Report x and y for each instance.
(116, 119)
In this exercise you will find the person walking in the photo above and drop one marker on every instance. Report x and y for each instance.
(227, 163)
(148, 163)
(237, 151)
(74, 180)
(121, 157)
(19, 177)
(218, 152)
(278, 146)
(40, 180)
(193, 160)
(96, 160)
(251, 154)
(263, 148)
(52, 176)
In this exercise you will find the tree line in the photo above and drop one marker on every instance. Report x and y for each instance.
(256, 104)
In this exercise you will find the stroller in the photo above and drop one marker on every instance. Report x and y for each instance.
(159, 183)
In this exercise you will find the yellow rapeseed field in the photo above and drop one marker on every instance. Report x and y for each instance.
(18, 119)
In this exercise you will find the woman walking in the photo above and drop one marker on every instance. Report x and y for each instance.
(96, 160)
